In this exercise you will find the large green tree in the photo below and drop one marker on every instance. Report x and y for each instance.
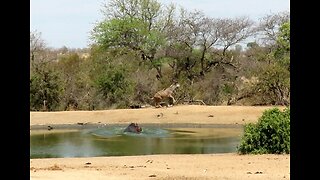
(134, 24)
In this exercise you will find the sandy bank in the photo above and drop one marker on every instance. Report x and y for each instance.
(183, 114)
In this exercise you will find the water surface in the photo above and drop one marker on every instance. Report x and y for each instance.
(112, 141)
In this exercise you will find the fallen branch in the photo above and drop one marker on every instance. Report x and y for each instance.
(193, 101)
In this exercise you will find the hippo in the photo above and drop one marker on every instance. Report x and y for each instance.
(134, 128)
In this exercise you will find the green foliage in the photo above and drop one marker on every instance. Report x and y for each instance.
(127, 32)
(114, 86)
(74, 72)
(153, 40)
(283, 40)
(271, 134)
(70, 63)
(45, 90)
(282, 52)
(227, 89)
(274, 85)
(142, 46)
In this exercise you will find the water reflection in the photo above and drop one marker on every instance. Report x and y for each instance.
(112, 141)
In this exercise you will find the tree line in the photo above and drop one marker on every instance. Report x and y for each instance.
(142, 46)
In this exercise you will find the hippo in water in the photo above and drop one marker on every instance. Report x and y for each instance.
(134, 128)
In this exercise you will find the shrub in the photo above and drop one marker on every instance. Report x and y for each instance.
(115, 86)
(271, 135)
(44, 86)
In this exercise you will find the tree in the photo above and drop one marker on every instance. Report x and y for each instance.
(269, 26)
(37, 44)
(110, 76)
(230, 32)
(44, 82)
(133, 24)
(205, 41)
(45, 90)
(273, 86)
(76, 85)
(282, 51)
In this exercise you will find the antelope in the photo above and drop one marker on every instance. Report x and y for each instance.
(165, 94)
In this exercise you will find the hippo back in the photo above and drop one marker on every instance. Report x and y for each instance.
(134, 128)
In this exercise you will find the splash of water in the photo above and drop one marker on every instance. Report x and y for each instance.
(109, 132)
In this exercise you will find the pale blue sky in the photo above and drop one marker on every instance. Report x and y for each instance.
(69, 22)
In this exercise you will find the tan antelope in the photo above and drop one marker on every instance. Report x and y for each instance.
(165, 94)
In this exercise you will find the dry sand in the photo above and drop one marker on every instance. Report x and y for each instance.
(200, 166)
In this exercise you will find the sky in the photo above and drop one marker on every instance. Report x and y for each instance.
(69, 22)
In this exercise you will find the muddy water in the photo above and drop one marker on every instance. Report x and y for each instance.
(112, 141)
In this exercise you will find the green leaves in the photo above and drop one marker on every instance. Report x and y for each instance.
(114, 85)
(274, 85)
(282, 52)
(45, 90)
(127, 32)
(270, 135)
(283, 39)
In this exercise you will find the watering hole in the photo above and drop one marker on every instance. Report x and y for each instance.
(113, 141)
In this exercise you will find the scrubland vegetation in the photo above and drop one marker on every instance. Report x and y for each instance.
(141, 47)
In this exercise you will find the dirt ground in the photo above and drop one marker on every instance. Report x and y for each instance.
(197, 166)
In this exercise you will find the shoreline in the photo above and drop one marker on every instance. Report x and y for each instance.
(167, 125)
(181, 114)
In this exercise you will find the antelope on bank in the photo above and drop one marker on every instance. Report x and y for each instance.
(165, 94)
